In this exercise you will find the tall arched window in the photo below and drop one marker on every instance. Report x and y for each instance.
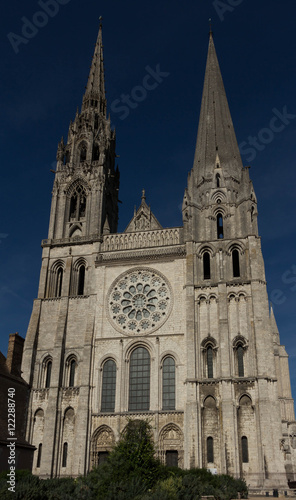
(235, 264)
(83, 152)
(65, 454)
(240, 360)
(108, 386)
(168, 384)
(245, 451)
(210, 371)
(206, 266)
(220, 233)
(139, 380)
(59, 282)
(39, 455)
(72, 370)
(210, 450)
(81, 278)
(78, 203)
(48, 367)
(218, 179)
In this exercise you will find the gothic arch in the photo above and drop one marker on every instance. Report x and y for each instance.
(139, 343)
(78, 277)
(171, 439)
(210, 432)
(102, 443)
(71, 371)
(78, 181)
(56, 275)
(201, 249)
(218, 195)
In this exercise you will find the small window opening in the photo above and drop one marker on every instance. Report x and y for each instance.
(72, 373)
(210, 450)
(82, 154)
(39, 455)
(48, 374)
(81, 279)
(171, 458)
(235, 264)
(245, 451)
(240, 361)
(206, 266)
(210, 362)
(65, 454)
(218, 179)
(59, 283)
(220, 234)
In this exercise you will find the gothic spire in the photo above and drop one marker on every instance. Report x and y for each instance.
(216, 136)
(94, 96)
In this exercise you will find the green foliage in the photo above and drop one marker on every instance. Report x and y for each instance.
(131, 472)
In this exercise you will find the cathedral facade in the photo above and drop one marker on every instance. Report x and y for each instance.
(169, 324)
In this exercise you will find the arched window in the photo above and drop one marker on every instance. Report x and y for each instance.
(235, 264)
(59, 282)
(72, 370)
(218, 180)
(210, 371)
(210, 450)
(39, 455)
(83, 152)
(78, 204)
(108, 386)
(245, 451)
(240, 360)
(139, 380)
(206, 266)
(168, 384)
(65, 453)
(220, 234)
(81, 278)
(48, 368)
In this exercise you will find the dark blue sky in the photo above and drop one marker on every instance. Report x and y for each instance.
(45, 70)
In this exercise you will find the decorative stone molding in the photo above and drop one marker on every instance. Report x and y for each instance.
(142, 239)
(139, 301)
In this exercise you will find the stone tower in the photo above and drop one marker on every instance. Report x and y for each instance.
(167, 324)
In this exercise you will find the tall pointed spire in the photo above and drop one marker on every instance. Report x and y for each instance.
(216, 136)
(95, 89)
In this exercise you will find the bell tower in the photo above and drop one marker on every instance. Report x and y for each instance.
(85, 192)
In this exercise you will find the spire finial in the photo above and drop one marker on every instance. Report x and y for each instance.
(210, 26)
(143, 195)
(101, 19)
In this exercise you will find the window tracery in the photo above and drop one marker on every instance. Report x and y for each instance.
(139, 301)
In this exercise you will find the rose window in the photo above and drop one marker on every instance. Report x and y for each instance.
(139, 302)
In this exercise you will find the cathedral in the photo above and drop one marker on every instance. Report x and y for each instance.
(172, 325)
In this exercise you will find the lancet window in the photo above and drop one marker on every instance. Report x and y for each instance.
(78, 203)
